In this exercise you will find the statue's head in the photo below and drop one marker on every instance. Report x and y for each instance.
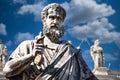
(97, 42)
(53, 16)
(53, 8)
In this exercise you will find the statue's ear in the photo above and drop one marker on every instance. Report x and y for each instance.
(43, 19)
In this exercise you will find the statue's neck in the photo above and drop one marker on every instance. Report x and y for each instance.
(96, 45)
(50, 43)
(51, 40)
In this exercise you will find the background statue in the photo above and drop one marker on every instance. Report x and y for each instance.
(97, 54)
(3, 54)
(47, 58)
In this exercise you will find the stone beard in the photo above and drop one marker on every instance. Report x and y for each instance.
(53, 32)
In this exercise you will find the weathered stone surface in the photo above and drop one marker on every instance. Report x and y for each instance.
(2, 76)
(46, 57)
(97, 54)
(107, 77)
(3, 54)
(102, 73)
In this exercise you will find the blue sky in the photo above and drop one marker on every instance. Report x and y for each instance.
(86, 21)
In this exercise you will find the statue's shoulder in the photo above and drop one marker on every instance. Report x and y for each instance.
(21, 49)
(27, 42)
(92, 47)
(100, 48)
(65, 42)
(69, 44)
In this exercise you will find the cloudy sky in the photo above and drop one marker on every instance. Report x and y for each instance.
(86, 21)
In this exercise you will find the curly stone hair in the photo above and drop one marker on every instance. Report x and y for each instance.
(55, 7)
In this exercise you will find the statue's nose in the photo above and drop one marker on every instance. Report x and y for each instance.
(55, 21)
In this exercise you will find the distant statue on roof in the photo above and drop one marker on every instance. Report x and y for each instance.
(3, 54)
(97, 54)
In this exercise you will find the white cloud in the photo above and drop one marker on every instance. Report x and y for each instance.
(88, 59)
(77, 10)
(9, 43)
(3, 29)
(19, 1)
(110, 57)
(34, 9)
(100, 29)
(23, 36)
(94, 22)
(86, 55)
(82, 11)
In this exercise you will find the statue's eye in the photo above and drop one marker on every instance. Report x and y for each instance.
(59, 18)
(52, 17)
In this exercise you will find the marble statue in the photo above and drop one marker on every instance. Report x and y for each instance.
(47, 58)
(3, 54)
(97, 54)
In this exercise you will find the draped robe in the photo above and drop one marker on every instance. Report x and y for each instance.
(63, 63)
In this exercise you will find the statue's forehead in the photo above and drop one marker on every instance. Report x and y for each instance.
(52, 11)
(97, 41)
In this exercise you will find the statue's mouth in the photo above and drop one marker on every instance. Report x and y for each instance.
(54, 26)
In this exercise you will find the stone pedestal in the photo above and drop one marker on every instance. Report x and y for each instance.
(101, 71)
(107, 77)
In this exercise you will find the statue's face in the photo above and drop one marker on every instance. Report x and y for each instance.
(53, 24)
(97, 42)
(54, 19)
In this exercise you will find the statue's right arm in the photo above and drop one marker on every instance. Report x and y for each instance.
(91, 49)
(20, 60)
(17, 65)
(92, 52)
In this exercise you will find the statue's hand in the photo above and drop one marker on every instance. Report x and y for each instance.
(38, 49)
(40, 38)
(39, 44)
(37, 53)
